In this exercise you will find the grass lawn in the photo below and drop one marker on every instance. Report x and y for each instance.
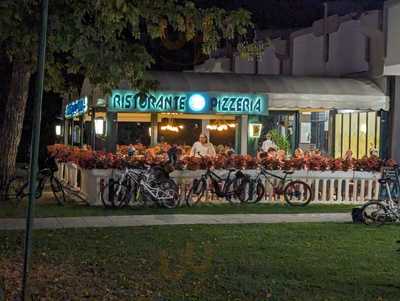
(72, 209)
(235, 262)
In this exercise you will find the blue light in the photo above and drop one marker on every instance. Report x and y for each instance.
(197, 103)
(76, 108)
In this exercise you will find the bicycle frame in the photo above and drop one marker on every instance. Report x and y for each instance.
(268, 175)
(391, 205)
(216, 180)
(41, 181)
(137, 177)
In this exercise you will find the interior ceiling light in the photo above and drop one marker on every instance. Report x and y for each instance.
(170, 126)
(220, 126)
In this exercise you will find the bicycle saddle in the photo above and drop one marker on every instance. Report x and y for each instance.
(288, 172)
(45, 172)
(383, 181)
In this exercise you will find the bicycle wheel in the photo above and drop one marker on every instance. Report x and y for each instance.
(251, 191)
(197, 192)
(58, 190)
(231, 188)
(134, 199)
(114, 194)
(374, 213)
(169, 197)
(297, 193)
(16, 190)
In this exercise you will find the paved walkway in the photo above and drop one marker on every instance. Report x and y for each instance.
(176, 219)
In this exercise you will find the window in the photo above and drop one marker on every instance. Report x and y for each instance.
(358, 131)
(314, 128)
(338, 135)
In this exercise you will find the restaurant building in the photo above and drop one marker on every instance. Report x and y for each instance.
(392, 70)
(235, 110)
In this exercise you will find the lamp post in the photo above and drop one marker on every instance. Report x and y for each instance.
(100, 126)
(37, 116)
(58, 130)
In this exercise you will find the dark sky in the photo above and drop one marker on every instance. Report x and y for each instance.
(266, 14)
(282, 14)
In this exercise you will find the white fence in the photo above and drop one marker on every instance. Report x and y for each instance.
(340, 187)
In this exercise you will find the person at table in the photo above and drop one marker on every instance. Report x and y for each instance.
(203, 147)
(131, 150)
(268, 143)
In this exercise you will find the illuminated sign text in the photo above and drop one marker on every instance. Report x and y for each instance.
(201, 103)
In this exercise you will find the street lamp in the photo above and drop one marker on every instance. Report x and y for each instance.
(58, 130)
(100, 126)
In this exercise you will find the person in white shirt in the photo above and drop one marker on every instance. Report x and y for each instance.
(268, 143)
(203, 147)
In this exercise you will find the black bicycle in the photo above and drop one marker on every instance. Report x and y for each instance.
(18, 187)
(227, 188)
(295, 192)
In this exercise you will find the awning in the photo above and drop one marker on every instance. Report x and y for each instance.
(284, 92)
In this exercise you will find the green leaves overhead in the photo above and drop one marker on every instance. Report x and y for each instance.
(106, 40)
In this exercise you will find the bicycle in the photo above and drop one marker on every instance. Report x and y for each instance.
(18, 187)
(226, 188)
(137, 187)
(295, 192)
(387, 208)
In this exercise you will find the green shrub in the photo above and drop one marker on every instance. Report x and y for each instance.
(281, 141)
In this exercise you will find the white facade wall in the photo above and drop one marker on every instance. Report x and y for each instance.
(242, 65)
(220, 65)
(269, 64)
(392, 27)
(356, 45)
(308, 55)
(347, 50)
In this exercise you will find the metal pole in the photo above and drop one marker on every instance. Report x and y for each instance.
(81, 131)
(154, 129)
(37, 115)
(93, 132)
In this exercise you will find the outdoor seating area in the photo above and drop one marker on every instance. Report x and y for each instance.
(333, 181)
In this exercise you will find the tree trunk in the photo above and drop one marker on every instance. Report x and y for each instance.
(12, 121)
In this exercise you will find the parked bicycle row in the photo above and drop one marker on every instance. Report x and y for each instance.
(153, 186)
(17, 189)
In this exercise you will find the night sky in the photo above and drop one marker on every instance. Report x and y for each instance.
(266, 14)
(283, 14)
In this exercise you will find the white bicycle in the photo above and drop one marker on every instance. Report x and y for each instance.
(138, 187)
(387, 208)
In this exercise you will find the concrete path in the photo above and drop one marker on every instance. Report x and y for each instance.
(176, 219)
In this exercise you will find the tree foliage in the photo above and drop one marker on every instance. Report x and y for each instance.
(106, 40)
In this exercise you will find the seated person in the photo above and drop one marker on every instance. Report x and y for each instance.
(203, 147)
(272, 154)
(268, 143)
(298, 154)
(281, 155)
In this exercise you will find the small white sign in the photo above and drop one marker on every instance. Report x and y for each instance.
(305, 132)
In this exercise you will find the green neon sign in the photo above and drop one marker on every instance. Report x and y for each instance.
(194, 102)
